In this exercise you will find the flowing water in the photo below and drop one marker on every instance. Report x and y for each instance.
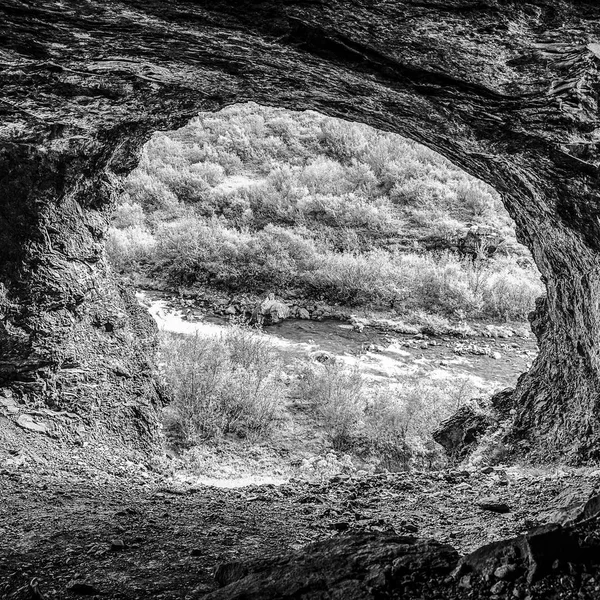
(378, 355)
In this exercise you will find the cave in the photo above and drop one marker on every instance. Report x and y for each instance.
(498, 99)
(506, 90)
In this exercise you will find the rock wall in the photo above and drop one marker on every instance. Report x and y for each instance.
(508, 91)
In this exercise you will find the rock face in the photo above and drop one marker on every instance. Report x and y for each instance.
(355, 567)
(508, 91)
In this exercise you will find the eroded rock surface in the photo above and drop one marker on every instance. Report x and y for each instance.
(549, 562)
(460, 433)
(353, 566)
(507, 91)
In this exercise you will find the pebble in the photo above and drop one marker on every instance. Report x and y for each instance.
(340, 526)
(497, 588)
(117, 545)
(505, 571)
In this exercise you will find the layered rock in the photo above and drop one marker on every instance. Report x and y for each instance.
(508, 91)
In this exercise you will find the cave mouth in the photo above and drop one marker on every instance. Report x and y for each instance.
(389, 285)
(506, 90)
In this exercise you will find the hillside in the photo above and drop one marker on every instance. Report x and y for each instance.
(262, 200)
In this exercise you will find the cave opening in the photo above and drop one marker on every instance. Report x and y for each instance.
(89, 501)
(387, 285)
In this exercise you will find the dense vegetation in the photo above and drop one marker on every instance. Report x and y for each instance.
(235, 384)
(256, 199)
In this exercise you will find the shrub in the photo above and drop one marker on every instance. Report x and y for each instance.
(197, 250)
(210, 172)
(400, 418)
(348, 210)
(324, 176)
(511, 293)
(476, 198)
(342, 140)
(354, 279)
(336, 394)
(232, 164)
(443, 288)
(391, 422)
(220, 385)
(361, 178)
(188, 185)
(149, 192)
(128, 215)
(126, 247)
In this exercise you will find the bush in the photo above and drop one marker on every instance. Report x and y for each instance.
(149, 192)
(354, 279)
(511, 292)
(400, 419)
(324, 176)
(126, 247)
(128, 215)
(336, 393)
(476, 198)
(227, 384)
(342, 140)
(444, 288)
(392, 423)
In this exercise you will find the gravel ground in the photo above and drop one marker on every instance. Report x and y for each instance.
(137, 534)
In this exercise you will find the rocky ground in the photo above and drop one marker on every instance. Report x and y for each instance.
(134, 533)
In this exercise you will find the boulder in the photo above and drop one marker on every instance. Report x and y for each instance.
(459, 434)
(353, 567)
(549, 562)
(270, 311)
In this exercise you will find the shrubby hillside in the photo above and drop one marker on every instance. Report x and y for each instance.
(256, 199)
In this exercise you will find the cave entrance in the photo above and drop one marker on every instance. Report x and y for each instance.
(389, 282)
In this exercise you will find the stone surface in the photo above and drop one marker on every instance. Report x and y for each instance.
(459, 434)
(353, 567)
(549, 562)
(270, 311)
(493, 505)
(82, 588)
(508, 91)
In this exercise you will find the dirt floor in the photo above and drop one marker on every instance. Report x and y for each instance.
(140, 535)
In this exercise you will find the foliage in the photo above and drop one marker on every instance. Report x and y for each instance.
(256, 199)
(129, 246)
(228, 384)
(337, 395)
(392, 422)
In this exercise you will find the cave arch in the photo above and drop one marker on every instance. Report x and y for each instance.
(507, 91)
